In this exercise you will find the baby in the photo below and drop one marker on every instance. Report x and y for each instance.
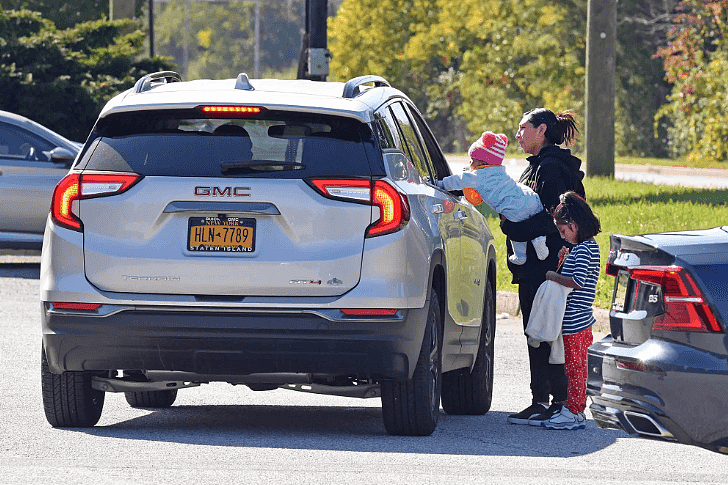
(488, 182)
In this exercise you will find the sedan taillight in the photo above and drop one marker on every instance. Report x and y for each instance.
(76, 186)
(394, 211)
(686, 308)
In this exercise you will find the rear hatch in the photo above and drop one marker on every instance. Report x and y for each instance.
(667, 282)
(226, 205)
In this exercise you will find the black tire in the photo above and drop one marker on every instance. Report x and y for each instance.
(467, 392)
(69, 401)
(151, 399)
(412, 407)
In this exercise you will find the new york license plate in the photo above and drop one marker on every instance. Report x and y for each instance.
(216, 234)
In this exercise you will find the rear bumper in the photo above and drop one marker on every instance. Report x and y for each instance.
(232, 342)
(667, 394)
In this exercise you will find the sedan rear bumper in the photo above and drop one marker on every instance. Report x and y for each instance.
(650, 390)
(233, 342)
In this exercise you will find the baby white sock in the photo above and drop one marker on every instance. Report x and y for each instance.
(539, 244)
(519, 253)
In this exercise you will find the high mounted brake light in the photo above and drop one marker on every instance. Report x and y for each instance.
(394, 211)
(686, 308)
(76, 186)
(231, 111)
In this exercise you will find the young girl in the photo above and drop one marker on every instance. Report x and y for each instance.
(577, 225)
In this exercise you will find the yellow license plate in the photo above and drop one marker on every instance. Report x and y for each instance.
(217, 234)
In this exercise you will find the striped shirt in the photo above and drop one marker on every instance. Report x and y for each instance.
(582, 265)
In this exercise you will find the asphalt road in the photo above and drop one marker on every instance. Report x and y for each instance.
(219, 433)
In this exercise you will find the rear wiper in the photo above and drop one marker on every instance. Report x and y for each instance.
(260, 166)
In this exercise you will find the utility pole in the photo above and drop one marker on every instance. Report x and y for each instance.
(151, 28)
(313, 62)
(601, 61)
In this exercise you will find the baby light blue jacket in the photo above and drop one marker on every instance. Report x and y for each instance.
(504, 195)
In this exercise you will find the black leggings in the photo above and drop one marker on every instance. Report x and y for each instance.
(545, 378)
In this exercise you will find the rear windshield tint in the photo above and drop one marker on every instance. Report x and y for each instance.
(186, 144)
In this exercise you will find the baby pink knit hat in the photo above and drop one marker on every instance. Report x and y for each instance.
(489, 148)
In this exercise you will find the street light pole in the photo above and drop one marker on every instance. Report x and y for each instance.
(256, 51)
(185, 49)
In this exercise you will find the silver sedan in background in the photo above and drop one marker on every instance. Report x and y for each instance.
(33, 159)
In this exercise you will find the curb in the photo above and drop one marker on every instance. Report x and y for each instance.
(507, 302)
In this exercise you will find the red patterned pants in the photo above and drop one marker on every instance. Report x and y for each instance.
(575, 347)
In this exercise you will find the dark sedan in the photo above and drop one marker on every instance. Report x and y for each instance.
(663, 371)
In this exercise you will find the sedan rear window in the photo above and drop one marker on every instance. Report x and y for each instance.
(187, 144)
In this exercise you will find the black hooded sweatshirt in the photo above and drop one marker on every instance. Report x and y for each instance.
(550, 173)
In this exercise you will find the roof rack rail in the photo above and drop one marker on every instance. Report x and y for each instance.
(146, 83)
(242, 82)
(351, 88)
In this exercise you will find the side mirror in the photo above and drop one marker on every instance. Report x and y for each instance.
(62, 155)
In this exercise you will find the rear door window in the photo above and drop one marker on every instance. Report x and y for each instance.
(433, 154)
(186, 144)
(409, 134)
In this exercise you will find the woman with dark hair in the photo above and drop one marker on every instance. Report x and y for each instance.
(551, 171)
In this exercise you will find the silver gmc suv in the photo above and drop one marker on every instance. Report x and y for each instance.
(277, 234)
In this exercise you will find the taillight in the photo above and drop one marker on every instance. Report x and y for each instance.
(394, 212)
(354, 190)
(686, 308)
(64, 194)
(611, 270)
(76, 186)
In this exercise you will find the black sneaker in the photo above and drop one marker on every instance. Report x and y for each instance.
(533, 410)
(555, 408)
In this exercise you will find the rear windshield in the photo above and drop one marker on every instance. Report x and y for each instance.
(188, 144)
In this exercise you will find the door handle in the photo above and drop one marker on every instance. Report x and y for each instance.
(460, 215)
(437, 209)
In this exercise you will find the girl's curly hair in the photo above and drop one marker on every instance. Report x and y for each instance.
(573, 208)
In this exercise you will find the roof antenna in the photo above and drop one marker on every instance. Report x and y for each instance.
(242, 82)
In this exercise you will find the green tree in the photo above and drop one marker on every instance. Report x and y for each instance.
(62, 78)
(478, 64)
(642, 27)
(696, 62)
(63, 14)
